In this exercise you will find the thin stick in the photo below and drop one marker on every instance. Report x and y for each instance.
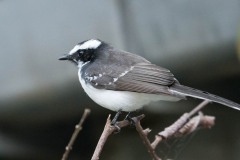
(78, 128)
(108, 130)
(202, 121)
(172, 130)
(198, 108)
(169, 131)
(143, 134)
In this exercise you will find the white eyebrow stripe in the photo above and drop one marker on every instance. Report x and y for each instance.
(90, 44)
(75, 49)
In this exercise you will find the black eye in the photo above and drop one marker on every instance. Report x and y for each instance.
(80, 52)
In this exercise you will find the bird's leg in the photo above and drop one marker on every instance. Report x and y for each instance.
(113, 123)
(129, 118)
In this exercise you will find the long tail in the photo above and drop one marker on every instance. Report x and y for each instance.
(191, 92)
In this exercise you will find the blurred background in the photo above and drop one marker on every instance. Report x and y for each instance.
(41, 99)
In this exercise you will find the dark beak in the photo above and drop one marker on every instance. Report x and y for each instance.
(65, 57)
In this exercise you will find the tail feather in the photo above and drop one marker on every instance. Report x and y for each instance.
(191, 92)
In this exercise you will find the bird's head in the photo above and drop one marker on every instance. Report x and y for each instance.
(83, 52)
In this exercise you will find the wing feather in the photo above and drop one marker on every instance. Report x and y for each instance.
(142, 78)
(150, 73)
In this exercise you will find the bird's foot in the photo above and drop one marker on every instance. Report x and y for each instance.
(114, 121)
(118, 129)
(129, 118)
(115, 118)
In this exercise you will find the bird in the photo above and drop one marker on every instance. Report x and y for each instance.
(122, 81)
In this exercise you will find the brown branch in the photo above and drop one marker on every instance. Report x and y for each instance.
(179, 124)
(108, 130)
(184, 125)
(78, 128)
(169, 131)
(199, 121)
(143, 134)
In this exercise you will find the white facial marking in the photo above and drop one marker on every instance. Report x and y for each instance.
(75, 49)
(81, 64)
(90, 44)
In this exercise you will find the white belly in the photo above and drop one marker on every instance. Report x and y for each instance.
(121, 100)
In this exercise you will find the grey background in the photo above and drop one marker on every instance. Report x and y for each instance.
(41, 99)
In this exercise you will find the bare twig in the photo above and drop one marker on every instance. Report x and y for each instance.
(143, 134)
(199, 121)
(199, 107)
(78, 128)
(179, 124)
(108, 130)
(169, 131)
(184, 125)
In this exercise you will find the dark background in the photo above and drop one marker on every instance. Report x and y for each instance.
(41, 99)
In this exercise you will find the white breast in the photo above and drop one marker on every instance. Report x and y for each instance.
(124, 100)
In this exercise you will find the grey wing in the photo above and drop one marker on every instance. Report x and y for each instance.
(146, 78)
(142, 78)
(150, 73)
